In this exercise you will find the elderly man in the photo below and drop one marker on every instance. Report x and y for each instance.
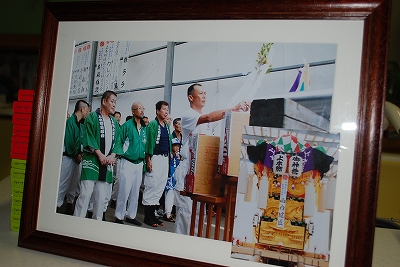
(133, 140)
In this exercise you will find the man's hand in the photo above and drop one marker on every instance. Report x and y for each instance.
(78, 159)
(110, 159)
(149, 165)
(242, 106)
(102, 158)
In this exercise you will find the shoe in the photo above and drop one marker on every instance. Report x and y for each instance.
(159, 213)
(89, 214)
(70, 209)
(133, 221)
(154, 217)
(113, 204)
(119, 221)
(59, 210)
(147, 216)
(169, 218)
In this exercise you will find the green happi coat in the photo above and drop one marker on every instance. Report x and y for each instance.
(152, 134)
(91, 141)
(133, 141)
(73, 137)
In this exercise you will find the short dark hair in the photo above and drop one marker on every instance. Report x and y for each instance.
(191, 88)
(117, 112)
(175, 121)
(80, 104)
(128, 117)
(106, 95)
(161, 103)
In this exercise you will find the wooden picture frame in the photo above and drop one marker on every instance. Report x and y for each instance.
(365, 171)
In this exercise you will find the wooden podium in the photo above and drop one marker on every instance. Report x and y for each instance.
(228, 201)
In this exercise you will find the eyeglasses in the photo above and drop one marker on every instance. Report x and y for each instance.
(139, 108)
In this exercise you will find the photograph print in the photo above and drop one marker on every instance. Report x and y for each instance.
(259, 172)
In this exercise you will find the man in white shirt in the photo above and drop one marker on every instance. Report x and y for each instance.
(193, 122)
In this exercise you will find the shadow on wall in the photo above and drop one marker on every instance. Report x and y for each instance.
(386, 223)
(393, 83)
(5, 145)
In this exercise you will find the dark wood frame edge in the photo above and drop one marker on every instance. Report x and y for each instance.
(370, 113)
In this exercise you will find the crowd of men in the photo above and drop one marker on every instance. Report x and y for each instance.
(105, 164)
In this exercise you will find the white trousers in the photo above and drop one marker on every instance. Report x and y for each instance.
(108, 197)
(69, 180)
(129, 186)
(96, 189)
(169, 201)
(183, 204)
(106, 200)
(115, 186)
(155, 181)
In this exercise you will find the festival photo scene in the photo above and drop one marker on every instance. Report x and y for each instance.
(285, 196)
(223, 140)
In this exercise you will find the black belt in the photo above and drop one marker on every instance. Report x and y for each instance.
(66, 154)
(163, 154)
(133, 161)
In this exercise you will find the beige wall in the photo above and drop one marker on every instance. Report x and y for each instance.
(389, 181)
(389, 187)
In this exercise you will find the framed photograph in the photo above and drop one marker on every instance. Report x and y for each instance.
(219, 44)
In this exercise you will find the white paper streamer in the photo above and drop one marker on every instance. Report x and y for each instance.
(242, 178)
(309, 201)
(322, 196)
(262, 199)
(330, 193)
